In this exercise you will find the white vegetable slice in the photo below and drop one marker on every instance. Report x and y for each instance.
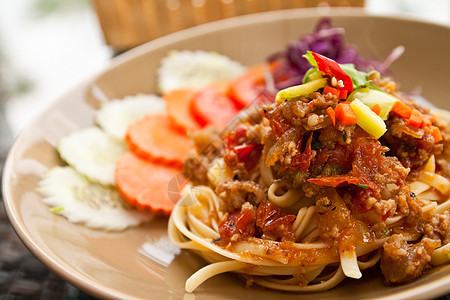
(195, 69)
(115, 115)
(93, 153)
(80, 201)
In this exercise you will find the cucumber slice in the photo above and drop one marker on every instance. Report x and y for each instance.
(93, 153)
(80, 201)
(195, 69)
(114, 116)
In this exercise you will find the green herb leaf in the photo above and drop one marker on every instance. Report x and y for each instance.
(310, 58)
(306, 77)
(363, 186)
(360, 79)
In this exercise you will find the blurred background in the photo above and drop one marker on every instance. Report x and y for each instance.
(49, 46)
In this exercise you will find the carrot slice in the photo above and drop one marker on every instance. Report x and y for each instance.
(153, 137)
(145, 184)
(426, 121)
(212, 106)
(345, 114)
(332, 115)
(402, 110)
(178, 103)
(376, 109)
(332, 91)
(416, 118)
(436, 132)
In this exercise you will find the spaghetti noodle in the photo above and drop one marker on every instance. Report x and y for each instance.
(295, 201)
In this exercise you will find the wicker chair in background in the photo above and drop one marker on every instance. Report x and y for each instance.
(128, 23)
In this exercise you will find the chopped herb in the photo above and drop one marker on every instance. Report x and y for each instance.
(448, 256)
(385, 231)
(412, 195)
(363, 186)
(344, 135)
(57, 210)
(334, 208)
(297, 176)
(217, 240)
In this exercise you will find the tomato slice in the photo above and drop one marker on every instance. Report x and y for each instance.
(251, 88)
(212, 106)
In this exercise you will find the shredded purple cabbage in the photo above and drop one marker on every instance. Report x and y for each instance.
(326, 40)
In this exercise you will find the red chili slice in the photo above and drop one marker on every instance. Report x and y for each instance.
(329, 66)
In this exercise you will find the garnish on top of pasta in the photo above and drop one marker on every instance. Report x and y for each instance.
(338, 174)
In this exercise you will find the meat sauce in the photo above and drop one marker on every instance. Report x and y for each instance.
(305, 151)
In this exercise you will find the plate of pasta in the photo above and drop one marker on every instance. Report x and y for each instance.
(291, 153)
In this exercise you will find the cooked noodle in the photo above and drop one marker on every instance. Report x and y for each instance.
(264, 218)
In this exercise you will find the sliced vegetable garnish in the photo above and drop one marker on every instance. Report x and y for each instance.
(311, 74)
(295, 92)
(359, 79)
(372, 97)
(416, 118)
(402, 110)
(93, 153)
(154, 137)
(212, 105)
(331, 90)
(145, 184)
(330, 67)
(195, 69)
(247, 87)
(345, 114)
(178, 104)
(436, 132)
(376, 109)
(115, 116)
(80, 201)
(368, 120)
(331, 113)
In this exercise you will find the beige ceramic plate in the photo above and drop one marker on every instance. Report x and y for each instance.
(109, 265)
